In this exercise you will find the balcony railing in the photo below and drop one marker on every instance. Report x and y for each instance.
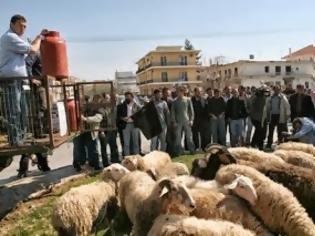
(167, 64)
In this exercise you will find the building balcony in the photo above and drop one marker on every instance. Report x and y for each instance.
(171, 64)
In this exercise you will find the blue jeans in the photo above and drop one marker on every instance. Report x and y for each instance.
(189, 138)
(159, 138)
(12, 96)
(110, 138)
(236, 127)
(218, 130)
(131, 132)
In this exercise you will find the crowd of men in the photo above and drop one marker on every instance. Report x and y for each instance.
(190, 120)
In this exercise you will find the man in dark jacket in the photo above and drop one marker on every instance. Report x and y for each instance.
(301, 104)
(170, 135)
(235, 114)
(124, 114)
(216, 111)
(201, 125)
(257, 106)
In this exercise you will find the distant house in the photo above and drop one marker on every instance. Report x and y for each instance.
(254, 73)
(167, 66)
(126, 81)
(305, 54)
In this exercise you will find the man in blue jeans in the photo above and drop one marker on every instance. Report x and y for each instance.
(182, 114)
(13, 50)
(235, 114)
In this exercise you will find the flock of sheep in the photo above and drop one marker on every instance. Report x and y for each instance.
(231, 191)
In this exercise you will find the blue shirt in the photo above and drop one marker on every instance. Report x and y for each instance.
(13, 50)
(275, 104)
(307, 132)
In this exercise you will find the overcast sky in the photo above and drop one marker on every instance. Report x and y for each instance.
(108, 35)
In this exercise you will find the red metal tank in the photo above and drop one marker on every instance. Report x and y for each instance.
(72, 115)
(54, 55)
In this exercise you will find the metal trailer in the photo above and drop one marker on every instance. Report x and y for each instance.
(43, 128)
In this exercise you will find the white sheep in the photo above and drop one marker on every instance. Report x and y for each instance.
(131, 162)
(75, 211)
(171, 170)
(114, 172)
(253, 155)
(308, 148)
(212, 202)
(178, 225)
(276, 205)
(143, 198)
(298, 158)
(155, 160)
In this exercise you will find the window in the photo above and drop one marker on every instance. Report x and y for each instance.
(183, 76)
(278, 70)
(235, 71)
(183, 60)
(164, 77)
(288, 69)
(163, 61)
(229, 73)
(266, 69)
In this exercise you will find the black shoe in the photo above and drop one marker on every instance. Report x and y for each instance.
(78, 168)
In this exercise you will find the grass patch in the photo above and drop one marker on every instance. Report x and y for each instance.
(33, 218)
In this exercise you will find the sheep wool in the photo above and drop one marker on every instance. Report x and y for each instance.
(175, 225)
(156, 160)
(308, 148)
(276, 206)
(143, 198)
(75, 212)
(254, 155)
(298, 158)
(172, 170)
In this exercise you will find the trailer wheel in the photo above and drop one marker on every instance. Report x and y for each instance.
(5, 162)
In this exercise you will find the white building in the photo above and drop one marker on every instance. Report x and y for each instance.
(253, 73)
(126, 81)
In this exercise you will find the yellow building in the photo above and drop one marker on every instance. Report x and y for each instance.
(168, 66)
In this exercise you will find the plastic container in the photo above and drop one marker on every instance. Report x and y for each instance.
(54, 56)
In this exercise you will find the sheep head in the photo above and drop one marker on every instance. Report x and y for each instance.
(207, 166)
(243, 187)
(176, 193)
(131, 162)
(114, 172)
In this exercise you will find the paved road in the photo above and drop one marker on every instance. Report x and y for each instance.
(61, 157)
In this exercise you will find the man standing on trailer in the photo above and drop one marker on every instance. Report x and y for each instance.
(13, 51)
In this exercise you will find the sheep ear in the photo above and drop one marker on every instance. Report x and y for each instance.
(232, 185)
(152, 173)
(164, 191)
(202, 163)
(227, 158)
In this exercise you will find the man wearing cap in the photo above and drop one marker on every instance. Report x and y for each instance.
(13, 50)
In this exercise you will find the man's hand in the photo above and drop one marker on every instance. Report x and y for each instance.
(83, 118)
(125, 119)
(190, 123)
(44, 32)
(36, 82)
